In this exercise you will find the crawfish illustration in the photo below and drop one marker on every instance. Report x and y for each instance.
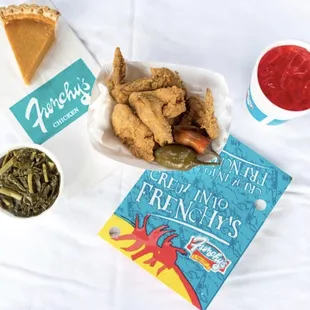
(167, 254)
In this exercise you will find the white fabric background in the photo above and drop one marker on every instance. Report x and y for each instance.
(58, 262)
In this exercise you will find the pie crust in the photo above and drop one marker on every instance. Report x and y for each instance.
(31, 32)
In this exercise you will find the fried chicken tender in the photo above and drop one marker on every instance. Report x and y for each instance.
(161, 77)
(132, 132)
(171, 99)
(149, 109)
(119, 70)
(175, 79)
(202, 113)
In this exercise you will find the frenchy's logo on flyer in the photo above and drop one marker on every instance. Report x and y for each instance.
(208, 255)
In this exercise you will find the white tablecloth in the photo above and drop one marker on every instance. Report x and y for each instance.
(59, 262)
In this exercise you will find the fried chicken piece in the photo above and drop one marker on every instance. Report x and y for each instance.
(171, 99)
(202, 113)
(174, 121)
(175, 79)
(161, 77)
(119, 70)
(133, 133)
(211, 126)
(149, 109)
(187, 119)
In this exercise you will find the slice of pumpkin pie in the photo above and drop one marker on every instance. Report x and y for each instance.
(31, 32)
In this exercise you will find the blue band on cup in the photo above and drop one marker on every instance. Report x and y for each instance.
(253, 109)
(257, 113)
(276, 122)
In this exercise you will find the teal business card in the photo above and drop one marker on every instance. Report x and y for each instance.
(56, 104)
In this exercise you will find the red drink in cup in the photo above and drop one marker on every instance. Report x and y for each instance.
(280, 85)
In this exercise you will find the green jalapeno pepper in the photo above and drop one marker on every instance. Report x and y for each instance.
(180, 157)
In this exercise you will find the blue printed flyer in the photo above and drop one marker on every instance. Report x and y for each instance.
(189, 229)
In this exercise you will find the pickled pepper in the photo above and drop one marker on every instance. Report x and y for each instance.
(191, 138)
(180, 157)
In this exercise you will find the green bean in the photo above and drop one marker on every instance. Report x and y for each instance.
(10, 193)
(30, 184)
(7, 166)
(45, 174)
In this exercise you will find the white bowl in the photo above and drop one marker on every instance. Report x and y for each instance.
(196, 80)
(52, 157)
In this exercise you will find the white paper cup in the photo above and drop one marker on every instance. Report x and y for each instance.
(52, 157)
(260, 107)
